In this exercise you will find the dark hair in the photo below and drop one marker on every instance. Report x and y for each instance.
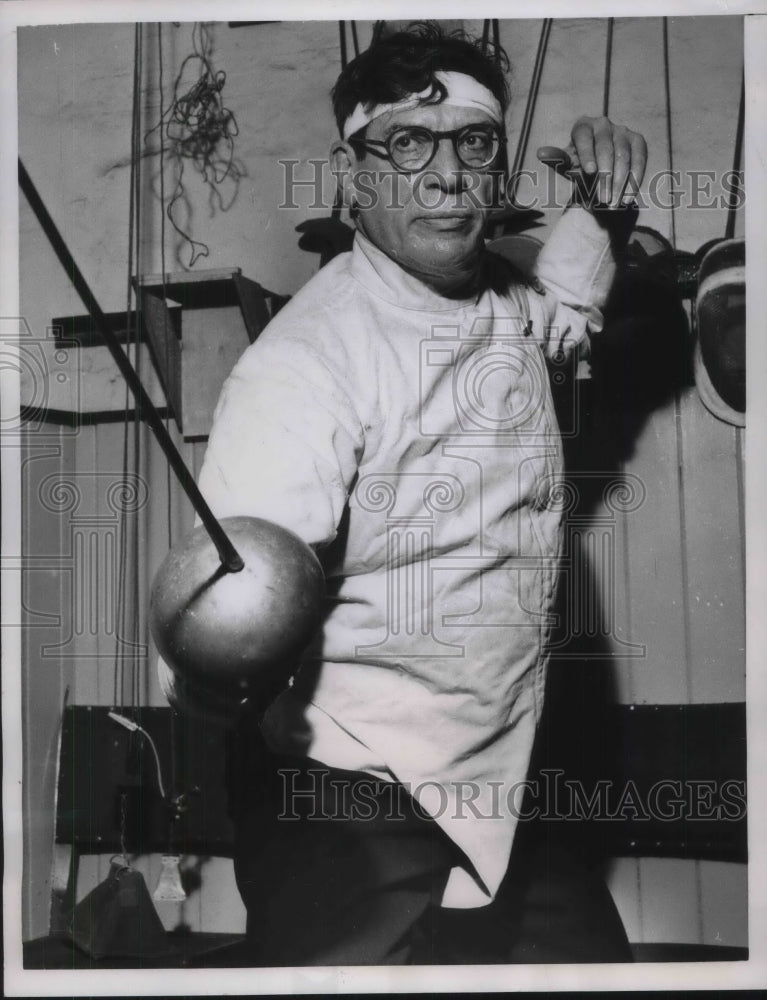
(405, 63)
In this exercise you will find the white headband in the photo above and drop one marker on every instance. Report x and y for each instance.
(463, 91)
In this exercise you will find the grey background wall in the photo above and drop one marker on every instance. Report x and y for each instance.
(679, 572)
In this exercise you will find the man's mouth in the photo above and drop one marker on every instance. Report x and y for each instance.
(447, 220)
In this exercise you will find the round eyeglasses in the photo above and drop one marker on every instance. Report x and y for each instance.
(413, 147)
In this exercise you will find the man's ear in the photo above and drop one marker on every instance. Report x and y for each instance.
(343, 162)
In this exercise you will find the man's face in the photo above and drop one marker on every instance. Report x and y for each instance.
(431, 222)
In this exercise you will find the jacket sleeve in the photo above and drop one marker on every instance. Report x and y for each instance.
(286, 439)
(575, 270)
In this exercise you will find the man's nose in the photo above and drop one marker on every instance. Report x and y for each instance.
(446, 170)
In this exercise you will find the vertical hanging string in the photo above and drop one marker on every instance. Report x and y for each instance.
(335, 211)
(121, 617)
(135, 173)
(732, 197)
(669, 143)
(355, 39)
(342, 40)
(121, 564)
(163, 265)
(137, 423)
(138, 428)
(532, 100)
(485, 35)
(123, 826)
(497, 230)
(608, 67)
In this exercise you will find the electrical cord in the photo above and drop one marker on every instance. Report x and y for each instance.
(134, 727)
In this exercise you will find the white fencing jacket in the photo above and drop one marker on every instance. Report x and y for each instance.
(411, 438)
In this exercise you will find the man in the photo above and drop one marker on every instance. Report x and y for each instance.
(397, 415)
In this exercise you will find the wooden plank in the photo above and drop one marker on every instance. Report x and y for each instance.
(714, 551)
(655, 571)
(161, 323)
(255, 312)
(89, 382)
(724, 898)
(198, 454)
(212, 341)
(176, 281)
(670, 915)
(221, 907)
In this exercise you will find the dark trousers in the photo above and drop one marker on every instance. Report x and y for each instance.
(335, 868)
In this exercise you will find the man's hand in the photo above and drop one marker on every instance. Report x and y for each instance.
(615, 153)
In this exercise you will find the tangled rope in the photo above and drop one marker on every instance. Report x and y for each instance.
(200, 130)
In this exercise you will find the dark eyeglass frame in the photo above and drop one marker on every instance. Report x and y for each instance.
(453, 134)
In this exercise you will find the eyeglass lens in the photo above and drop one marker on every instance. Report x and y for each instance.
(412, 148)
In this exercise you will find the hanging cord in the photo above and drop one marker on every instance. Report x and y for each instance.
(378, 29)
(120, 628)
(532, 100)
(669, 139)
(485, 42)
(163, 265)
(342, 43)
(355, 41)
(732, 197)
(134, 727)
(496, 229)
(335, 211)
(337, 207)
(138, 429)
(123, 828)
(608, 67)
(485, 35)
(201, 130)
(132, 337)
